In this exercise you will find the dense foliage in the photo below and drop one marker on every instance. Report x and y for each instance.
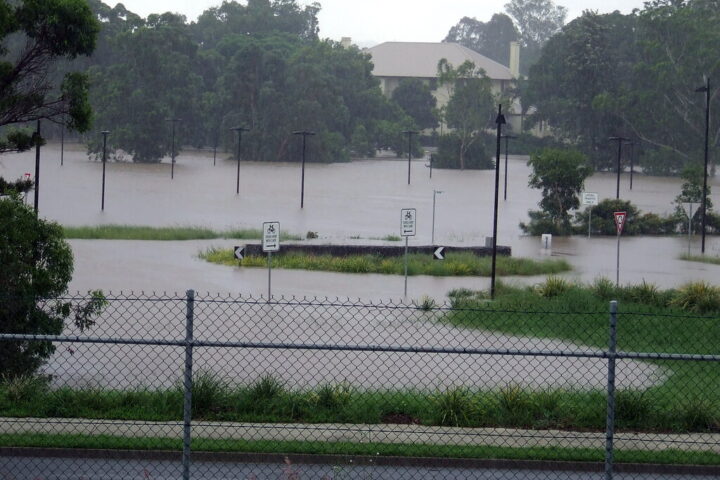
(35, 35)
(634, 76)
(258, 64)
(37, 266)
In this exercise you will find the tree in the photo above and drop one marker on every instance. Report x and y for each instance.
(36, 35)
(415, 98)
(560, 174)
(37, 266)
(583, 64)
(491, 39)
(470, 108)
(536, 21)
(691, 191)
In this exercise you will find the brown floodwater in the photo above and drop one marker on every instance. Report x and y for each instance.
(356, 202)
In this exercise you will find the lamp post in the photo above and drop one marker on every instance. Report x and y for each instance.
(304, 134)
(240, 130)
(62, 141)
(432, 237)
(620, 141)
(172, 154)
(104, 160)
(37, 167)
(706, 89)
(500, 121)
(409, 133)
(632, 160)
(506, 137)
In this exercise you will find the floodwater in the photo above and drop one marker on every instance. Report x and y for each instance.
(348, 202)
(353, 202)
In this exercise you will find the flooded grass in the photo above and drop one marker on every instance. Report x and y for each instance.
(701, 258)
(140, 232)
(267, 400)
(455, 264)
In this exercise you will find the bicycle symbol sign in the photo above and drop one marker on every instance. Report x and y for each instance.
(271, 237)
(407, 222)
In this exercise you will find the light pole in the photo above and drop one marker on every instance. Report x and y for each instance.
(37, 167)
(632, 160)
(500, 121)
(706, 89)
(102, 202)
(239, 130)
(304, 134)
(432, 238)
(62, 141)
(506, 137)
(172, 154)
(620, 141)
(409, 133)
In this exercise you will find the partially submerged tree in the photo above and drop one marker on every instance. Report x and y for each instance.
(560, 174)
(416, 99)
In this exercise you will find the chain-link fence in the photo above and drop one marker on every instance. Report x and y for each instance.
(202, 386)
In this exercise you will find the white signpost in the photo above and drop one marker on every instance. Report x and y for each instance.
(590, 199)
(620, 218)
(407, 230)
(688, 207)
(270, 244)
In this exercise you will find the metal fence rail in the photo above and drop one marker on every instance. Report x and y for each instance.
(202, 386)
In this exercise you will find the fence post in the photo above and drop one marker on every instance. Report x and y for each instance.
(610, 426)
(187, 404)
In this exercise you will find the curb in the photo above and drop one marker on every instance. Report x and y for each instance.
(363, 460)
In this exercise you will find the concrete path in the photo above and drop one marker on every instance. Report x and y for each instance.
(381, 433)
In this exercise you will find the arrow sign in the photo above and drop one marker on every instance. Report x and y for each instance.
(439, 253)
(239, 252)
(620, 221)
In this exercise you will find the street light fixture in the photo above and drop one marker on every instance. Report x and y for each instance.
(409, 133)
(239, 130)
(620, 141)
(172, 166)
(304, 134)
(705, 89)
(104, 159)
(506, 137)
(500, 121)
(432, 238)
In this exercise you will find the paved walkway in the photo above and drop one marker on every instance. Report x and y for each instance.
(381, 433)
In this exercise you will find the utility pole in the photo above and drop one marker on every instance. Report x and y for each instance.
(305, 134)
(240, 131)
(409, 133)
(500, 121)
(706, 89)
(620, 141)
(172, 154)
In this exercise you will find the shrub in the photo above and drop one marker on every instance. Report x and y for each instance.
(448, 154)
(552, 287)
(697, 297)
(266, 388)
(453, 407)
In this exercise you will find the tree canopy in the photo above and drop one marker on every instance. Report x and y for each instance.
(491, 38)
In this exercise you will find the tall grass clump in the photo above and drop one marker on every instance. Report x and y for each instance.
(697, 297)
(552, 287)
(209, 392)
(453, 407)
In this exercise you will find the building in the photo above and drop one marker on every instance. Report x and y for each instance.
(395, 61)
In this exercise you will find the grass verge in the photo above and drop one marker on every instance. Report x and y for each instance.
(455, 264)
(369, 449)
(139, 232)
(269, 401)
(701, 258)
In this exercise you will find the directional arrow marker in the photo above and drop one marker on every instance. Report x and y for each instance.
(239, 252)
(438, 254)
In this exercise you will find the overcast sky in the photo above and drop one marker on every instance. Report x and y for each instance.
(369, 22)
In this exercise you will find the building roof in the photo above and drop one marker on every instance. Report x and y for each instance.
(420, 59)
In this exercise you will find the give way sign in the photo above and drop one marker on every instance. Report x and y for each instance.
(620, 221)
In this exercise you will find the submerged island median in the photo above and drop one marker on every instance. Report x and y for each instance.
(455, 264)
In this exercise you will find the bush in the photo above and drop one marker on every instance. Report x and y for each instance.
(698, 297)
(37, 265)
(478, 156)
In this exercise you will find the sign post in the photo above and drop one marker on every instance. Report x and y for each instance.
(688, 207)
(270, 243)
(407, 229)
(620, 218)
(590, 199)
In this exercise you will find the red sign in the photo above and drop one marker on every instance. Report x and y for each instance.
(620, 221)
